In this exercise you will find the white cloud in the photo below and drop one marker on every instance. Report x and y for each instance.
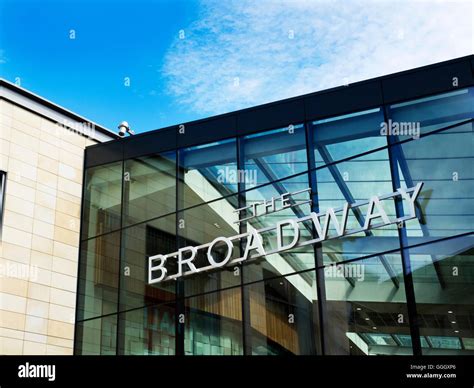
(240, 53)
(3, 58)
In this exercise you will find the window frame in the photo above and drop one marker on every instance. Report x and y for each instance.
(3, 189)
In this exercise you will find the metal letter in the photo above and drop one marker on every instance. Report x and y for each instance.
(159, 267)
(411, 199)
(187, 261)
(296, 236)
(285, 200)
(330, 215)
(253, 242)
(375, 202)
(230, 248)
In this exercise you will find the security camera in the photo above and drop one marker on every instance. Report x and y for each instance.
(124, 128)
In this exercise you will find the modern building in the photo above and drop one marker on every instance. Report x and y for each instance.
(41, 162)
(393, 273)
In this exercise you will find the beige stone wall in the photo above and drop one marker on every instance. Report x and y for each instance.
(40, 234)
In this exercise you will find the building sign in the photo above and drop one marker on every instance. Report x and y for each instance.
(287, 232)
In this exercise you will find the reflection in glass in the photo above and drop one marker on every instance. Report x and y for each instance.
(343, 136)
(352, 181)
(272, 299)
(274, 154)
(283, 263)
(201, 225)
(446, 203)
(149, 187)
(366, 308)
(443, 276)
(431, 113)
(149, 331)
(138, 243)
(98, 276)
(283, 317)
(208, 172)
(96, 337)
(102, 199)
(214, 324)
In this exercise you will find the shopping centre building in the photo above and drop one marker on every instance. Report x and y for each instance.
(335, 223)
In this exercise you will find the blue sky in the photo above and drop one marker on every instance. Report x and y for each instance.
(190, 59)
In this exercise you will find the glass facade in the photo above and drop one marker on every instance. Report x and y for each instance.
(399, 289)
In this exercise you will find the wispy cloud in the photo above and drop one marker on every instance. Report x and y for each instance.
(3, 58)
(242, 53)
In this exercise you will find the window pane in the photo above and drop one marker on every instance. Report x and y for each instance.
(208, 172)
(285, 262)
(96, 336)
(201, 225)
(366, 308)
(443, 161)
(340, 137)
(435, 112)
(149, 187)
(214, 324)
(102, 199)
(443, 276)
(140, 242)
(98, 276)
(276, 189)
(357, 180)
(274, 154)
(283, 317)
(149, 331)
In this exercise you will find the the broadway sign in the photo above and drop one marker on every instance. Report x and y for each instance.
(287, 233)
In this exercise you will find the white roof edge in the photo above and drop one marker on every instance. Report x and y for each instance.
(55, 112)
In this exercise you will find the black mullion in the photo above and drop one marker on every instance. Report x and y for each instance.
(404, 251)
(120, 339)
(80, 259)
(318, 247)
(179, 290)
(245, 296)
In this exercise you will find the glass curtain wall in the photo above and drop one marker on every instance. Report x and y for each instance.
(398, 289)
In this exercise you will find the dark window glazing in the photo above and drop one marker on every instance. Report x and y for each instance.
(102, 199)
(98, 278)
(149, 187)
